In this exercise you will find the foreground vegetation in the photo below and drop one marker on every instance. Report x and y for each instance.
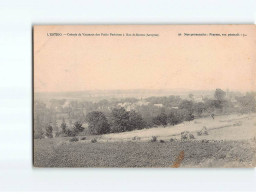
(57, 152)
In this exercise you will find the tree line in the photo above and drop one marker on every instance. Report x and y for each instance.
(118, 119)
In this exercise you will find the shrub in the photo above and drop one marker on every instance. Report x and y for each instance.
(73, 139)
(83, 138)
(203, 131)
(65, 131)
(239, 123)
(172, 139)
(78, 127)
(136, 138)
(48, 132)
(70, 133)
(63, 127)
(94, 140)
(187, 135)
(191, 136)
(154, 139)
(184, 135)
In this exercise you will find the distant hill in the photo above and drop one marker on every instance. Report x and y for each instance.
(96, 95)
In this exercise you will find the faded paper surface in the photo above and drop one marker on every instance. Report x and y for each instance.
(201, 80)
(119, 62)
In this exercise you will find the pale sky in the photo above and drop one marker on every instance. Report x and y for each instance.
(169, 61)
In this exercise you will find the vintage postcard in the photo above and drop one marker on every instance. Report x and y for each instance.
(144, 96)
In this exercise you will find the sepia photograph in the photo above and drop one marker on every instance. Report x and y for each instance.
(144, 96)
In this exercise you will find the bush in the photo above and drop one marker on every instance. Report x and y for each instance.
(70, 133)
(154, 139)
(172, 139)
(83, 138)
(191, 136)
(239, 123)
(184, 135)
(136, 138)
(63, 127)
(203, 131)
(187, 135)
(73, 139)
(78, 127)
(48, 132)
(199, 133)
(94, 140)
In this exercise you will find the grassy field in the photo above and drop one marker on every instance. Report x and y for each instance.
(134, 149)
(54, 153)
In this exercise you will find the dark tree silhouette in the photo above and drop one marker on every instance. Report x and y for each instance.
(219, 94)
(160, 119)
(119, 120)
(77, 128)
(48, 132)
(98, 123)
(135, 121)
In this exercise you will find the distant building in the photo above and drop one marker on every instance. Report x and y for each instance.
(142, 102)
(198, 99)
(127, 106)
(158, 105)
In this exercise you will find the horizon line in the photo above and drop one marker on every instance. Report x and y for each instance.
(171, 89)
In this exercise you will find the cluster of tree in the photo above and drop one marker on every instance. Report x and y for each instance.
(106, 116)
(76, 129)
(64, 130)
(173, 117)
(119, 120)
(247, 103)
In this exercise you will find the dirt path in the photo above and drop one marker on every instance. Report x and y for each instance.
(230, 127)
